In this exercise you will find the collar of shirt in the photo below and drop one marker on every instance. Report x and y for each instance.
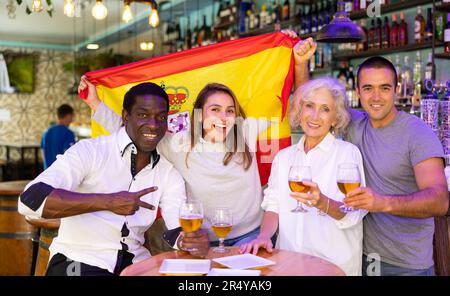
(325, 144)
(126, 144)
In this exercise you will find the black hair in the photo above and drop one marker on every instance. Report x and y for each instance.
(64, 110)
(377, 62)
(146, 88)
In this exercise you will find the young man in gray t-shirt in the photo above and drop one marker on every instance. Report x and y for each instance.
(405, 179)
(406, 184)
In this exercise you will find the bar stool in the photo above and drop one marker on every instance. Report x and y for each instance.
(48, 231)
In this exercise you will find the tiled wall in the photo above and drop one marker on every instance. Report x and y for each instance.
(31, 114)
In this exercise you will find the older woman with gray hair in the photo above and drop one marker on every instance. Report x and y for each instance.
(319, 108)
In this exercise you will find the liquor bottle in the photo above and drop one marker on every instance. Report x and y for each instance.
(274, 13)
(263, 16)
(398, 69)
(309, 20)
(327, 13)
(304, 22)
(356, 5)
(378, 41)
(429, 67)
(178, 30)
(319, 16)
(363, 45)
(351, 79)
(348, 6)
(313, 18)
(393, 35)
(188, 37)
(429, 26)
(385, 36)
(419, 26)
(407, 79)
(372, 31)
(279, 12)
(319, 57)
(403, 31)
(447, 35)
(439, 19)
(363, 4)
(286, 10)
(417, 78)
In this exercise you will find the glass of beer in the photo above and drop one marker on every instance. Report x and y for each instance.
(298, 174)
(348, 179)
(191, 217)
(221, 225)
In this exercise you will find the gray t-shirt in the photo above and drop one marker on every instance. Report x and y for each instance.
(390, 154)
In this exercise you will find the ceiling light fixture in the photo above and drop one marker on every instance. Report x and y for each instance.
(69, 8)
(36, 6)
(93, 46)
(127, 14)
(147, 46)
(99, 11)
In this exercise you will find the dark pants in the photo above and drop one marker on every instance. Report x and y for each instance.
(387, 269)
(60, 265)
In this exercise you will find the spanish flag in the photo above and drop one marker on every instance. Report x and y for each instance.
(260, 70)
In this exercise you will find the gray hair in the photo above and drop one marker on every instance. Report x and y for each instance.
(336, 90)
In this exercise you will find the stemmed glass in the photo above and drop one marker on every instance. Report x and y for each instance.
(348, 179)
(191, 217)
(298, 174)
(222, 224)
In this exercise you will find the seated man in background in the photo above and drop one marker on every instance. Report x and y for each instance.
(58, 138)
(105, 190)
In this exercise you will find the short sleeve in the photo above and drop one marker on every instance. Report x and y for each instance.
(272, 192)
(423, 143)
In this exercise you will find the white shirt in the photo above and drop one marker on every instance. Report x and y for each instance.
(207, 179)
(102, 165)
(338, 241)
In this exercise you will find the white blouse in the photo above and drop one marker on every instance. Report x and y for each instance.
(338, 241)
(207, 179)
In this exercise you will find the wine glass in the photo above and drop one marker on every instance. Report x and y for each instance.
(298, 174)
(348, 179)
(221, 225)
(191, 217)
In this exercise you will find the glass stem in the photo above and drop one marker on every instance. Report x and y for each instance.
(221, 243)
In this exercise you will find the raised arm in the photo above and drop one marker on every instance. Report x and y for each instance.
(303, 51)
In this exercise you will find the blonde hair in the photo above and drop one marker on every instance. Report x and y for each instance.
(308, 90)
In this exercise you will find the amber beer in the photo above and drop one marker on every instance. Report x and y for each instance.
(221, 229)
(345, 187)
(298, 186)
(191, 223)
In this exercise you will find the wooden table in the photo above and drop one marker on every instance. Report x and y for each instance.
(287, 263)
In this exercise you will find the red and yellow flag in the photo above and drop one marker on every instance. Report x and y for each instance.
(258, 69)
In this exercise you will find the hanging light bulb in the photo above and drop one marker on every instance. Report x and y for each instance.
(143, 46)
(153, 20)
(127, 15)
(150, 46)
(36, 6)
(99, 11)
(93, 46)
(69, 8)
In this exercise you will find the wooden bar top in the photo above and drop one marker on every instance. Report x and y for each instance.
(12, 188)
(287, 263)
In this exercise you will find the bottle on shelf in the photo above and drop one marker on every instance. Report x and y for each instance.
(398, 69)
(188, 37)
(309, 21)
(419, 26)
(440, 21)
(429, 67)
(385, 36)
(319, 57)
(407, 79)
(378, 40)
(313, 19)
(372, 32)
(274, 12)
(286, 10)
(418, 75)
(319, 16)
(356, 5)
(263, 16)
(363, 4)
(363, 45)
(447, 35)
(393, 35)
(429, 26)
(403, 31)
(327, 13)
(351, 79)
(348, 6)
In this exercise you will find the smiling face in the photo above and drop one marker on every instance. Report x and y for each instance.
(218, 116)
(376, 90)
(146, 124)
(318, 114)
